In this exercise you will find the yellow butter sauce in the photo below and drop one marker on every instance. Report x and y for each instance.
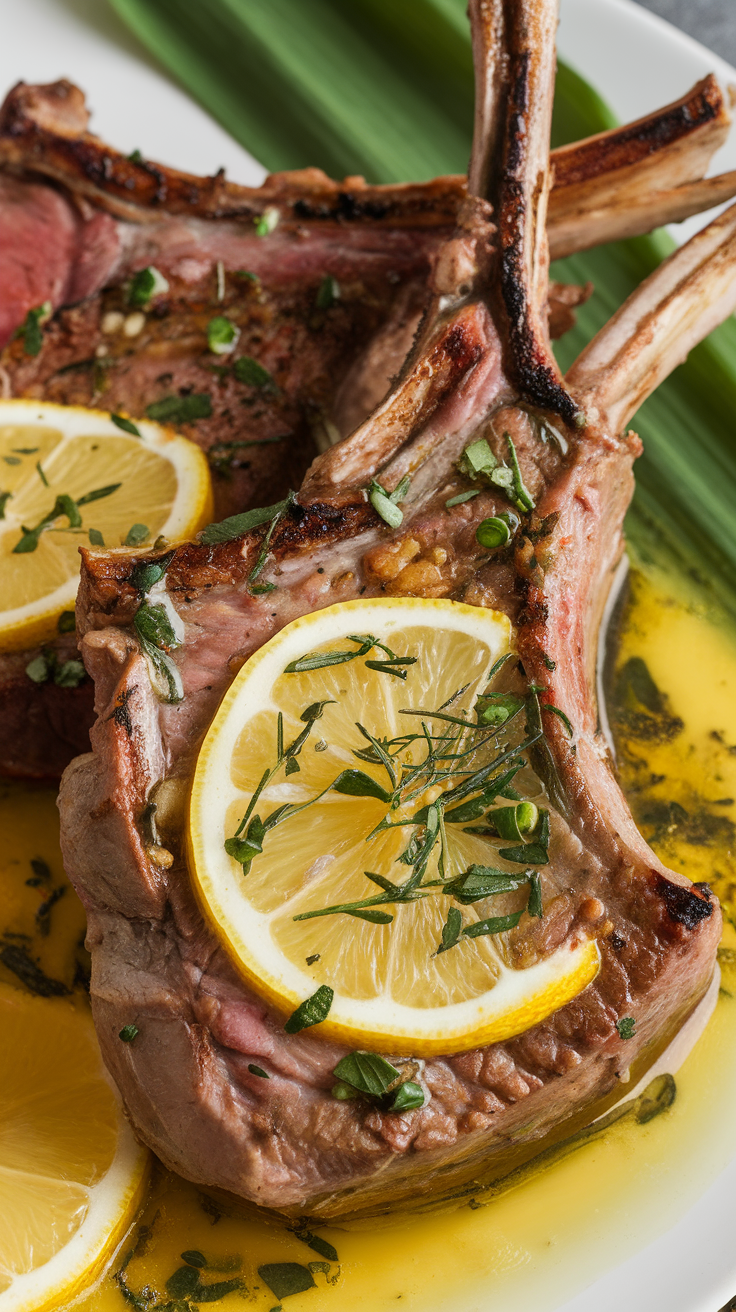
(538, 1245)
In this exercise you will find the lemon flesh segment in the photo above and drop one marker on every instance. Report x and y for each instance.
(392, 991)
(72, 1175)
(49, 451)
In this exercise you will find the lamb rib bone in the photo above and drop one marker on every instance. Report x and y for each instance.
(284, 1142)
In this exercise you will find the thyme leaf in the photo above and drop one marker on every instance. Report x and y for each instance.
(311, 1012)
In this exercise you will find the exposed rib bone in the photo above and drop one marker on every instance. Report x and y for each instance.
(655, 164)
(656, 328)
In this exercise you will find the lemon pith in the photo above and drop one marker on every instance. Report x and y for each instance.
(72, 1175)
(391, 990)
(50, 451)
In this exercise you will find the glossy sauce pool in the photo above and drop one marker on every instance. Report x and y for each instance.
(539, 1244)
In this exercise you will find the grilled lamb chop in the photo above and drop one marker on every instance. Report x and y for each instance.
(481, 366)
(77, 219)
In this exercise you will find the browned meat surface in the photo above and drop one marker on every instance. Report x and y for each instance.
(330, 362)
(481, 366)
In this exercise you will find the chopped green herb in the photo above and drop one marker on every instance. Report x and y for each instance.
(496, 708)
(263, 553)
(267, 221)
(493, 925)
(327, 293)
(319, 660)
(222, 335)
(69, 675)
(462, 497)
(4, 499)
(385, 503)
(245, 273)
(251, 373)
(355, 783)
(193, 1257)
(67, 622)
(30, 329)
(126, 425)
(408, 1097)
(128, 1033)
(98, 494)
(535, 853)
(256, 1070)
(550, 664)
(136, 534)
(181, 409)
(317, 1244)
(135, 156)
(144, 285)
(522, 497)
(368, 1072)
(286, 1278)
(314, 957)
(38, 669)
(534, 906)
(451, 930)
(262, 589)
(63, 506)
(41, 474)
(25, 450)
(15, 957)
(310, 1012)
(183, 1282)
(96, 537)
(146, 574)
(494, 532)
(236, 525)
(12, 460)
(153, 624)
(477, 458)
(626, 1027)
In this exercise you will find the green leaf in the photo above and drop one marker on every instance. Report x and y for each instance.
(38, 669)
(310, 1012)
(478, 459)
(181, 409)
(354, 783)
(535, 906)
(384, 506)
(126, 425)
(144, 285)
(98, 494)
(450, 930)
(67, 622)
(153, 624)
(492, 533)
(136, 534)
(522, 497)
(286, 1278)
(222, 335)
(328, 293)
(408, 1097)
(315, 660)
(493, 925)
(149, 572)
(30, 329)
(69, 675)
(484, 881)
(183, 1282)
(4, 499)
(256, 1070)
(367, 1072)
(128, 1033)
(236, 525)
(318, 1245)
(371, 914)
(561, 716)
(249, 371)
(461, 498)
(193, 1257)
(626, 1027)
(95, 537)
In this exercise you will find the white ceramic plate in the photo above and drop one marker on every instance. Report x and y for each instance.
(637, 62)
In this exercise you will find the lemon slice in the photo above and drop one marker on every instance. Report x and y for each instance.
(56, 451)
(392, 990)
(71, 1173)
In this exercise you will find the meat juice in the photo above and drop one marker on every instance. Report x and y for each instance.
(672, 706)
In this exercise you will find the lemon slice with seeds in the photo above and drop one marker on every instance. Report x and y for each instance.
(315, 683)
(71, 1173)
(58, 468)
